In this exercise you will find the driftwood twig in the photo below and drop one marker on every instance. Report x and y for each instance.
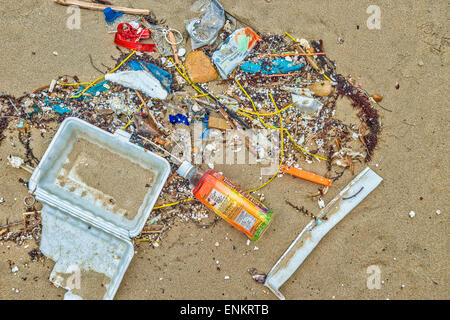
(97, 6)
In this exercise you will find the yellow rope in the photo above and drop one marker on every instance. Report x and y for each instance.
(95, 81)
(173, 204)
(282, 151)
(268, 114)
(129, 122)
(200, 95)
(245, 115)
(254, 107)
(73, 84)
(261, 186)
(275, 128)
(186, 77)
(282, 130)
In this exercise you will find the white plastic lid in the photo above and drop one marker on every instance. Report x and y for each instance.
(184, 168)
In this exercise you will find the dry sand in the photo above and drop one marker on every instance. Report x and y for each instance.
(411, 48)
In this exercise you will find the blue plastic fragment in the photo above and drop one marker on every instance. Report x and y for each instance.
(205, 133)
(277, 66)
(59, 108)
(163, 76)
(250, 67)
(205, 120)
(179, 118)
(111, 15)
(100, 87)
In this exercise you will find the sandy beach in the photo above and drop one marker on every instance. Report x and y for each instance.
(410, 48)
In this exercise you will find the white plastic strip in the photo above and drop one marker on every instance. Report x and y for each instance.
(359, 188)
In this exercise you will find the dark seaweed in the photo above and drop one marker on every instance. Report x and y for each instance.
(366, 111)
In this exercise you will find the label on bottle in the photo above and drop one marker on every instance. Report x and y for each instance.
(243, 193)
(228, 207)
(232, 204)
(246, 220)
(218, 200)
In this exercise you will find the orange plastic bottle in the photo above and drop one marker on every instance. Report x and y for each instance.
(227, 200)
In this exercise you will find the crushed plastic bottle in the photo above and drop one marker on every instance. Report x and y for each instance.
(303, 99)
(159, 37)
(234, 50)
(204, 30)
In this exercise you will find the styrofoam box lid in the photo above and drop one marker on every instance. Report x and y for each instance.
(84, 202)
(75, 246)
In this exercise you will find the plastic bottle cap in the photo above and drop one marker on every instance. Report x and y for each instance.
(184, 169)
(111, 15)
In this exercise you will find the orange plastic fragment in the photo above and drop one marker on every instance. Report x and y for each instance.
(299, 173)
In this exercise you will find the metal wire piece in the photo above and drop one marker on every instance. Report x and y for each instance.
(166, 32)
(29, 201)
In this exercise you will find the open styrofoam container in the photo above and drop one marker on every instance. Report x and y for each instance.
(88, 240)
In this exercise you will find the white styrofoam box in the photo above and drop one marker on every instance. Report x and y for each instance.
(78, 230)
(76, 246)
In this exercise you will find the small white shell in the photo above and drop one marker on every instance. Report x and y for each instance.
(261, 278)
(321, 203)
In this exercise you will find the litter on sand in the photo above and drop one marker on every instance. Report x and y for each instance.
(309, 238)
(121, 169)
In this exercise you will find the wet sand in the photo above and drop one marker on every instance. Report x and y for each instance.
(118, 183)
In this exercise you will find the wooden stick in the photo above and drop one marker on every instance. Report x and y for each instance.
(160, 148)
(174, 47)
(149, 113)
(162, 141)
(310, 60)
(27, 214)
(6, 226)
(97, 6)
(41, 88)
(153, 228)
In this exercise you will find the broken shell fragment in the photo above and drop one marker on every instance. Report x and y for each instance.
(261, 278)
(181, 52)
(321, 89)
(15, 162)
(196, 108)
(304, 43)
(146, 125)
(377, 97)
(52, 85)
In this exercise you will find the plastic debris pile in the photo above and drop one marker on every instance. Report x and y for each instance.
(243, 80)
